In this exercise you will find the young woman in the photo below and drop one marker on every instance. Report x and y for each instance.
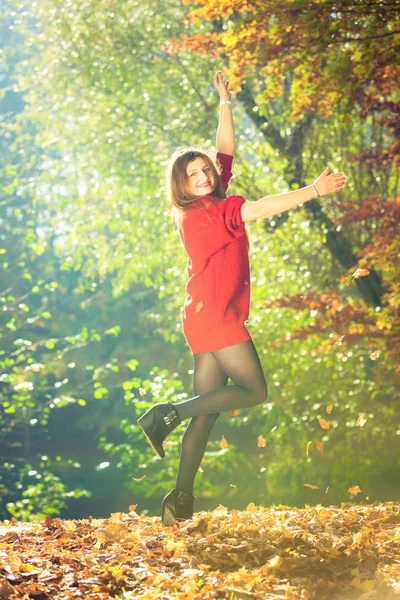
(212, 230)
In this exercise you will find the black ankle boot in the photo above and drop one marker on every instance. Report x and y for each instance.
(177, 506)
(157, 423)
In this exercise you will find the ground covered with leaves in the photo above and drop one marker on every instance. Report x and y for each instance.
(348, 552)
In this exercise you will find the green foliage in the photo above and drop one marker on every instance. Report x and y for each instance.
(42, 492)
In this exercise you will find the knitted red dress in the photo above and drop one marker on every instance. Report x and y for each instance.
(218, 288)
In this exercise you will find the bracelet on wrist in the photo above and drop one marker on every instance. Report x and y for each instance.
(315, 189)
(225, 102)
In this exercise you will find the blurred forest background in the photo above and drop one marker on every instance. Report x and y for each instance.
(95, 95)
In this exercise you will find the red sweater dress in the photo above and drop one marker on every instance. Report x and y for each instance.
(218, 288)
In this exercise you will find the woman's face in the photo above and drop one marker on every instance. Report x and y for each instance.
(200, 180)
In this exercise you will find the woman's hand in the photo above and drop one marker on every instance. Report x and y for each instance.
(329, 184)
(221, 86)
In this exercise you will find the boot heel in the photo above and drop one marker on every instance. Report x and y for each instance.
(145, 422)
(168, 517)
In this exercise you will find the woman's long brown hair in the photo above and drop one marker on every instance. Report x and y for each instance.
(179, 200)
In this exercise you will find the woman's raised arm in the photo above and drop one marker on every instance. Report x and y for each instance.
(226, 142)
(279, 203)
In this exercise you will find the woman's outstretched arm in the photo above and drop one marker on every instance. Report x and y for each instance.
(279, 203)
(226, 142)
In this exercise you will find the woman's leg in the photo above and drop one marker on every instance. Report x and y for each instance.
(207, 376)
(241, 363)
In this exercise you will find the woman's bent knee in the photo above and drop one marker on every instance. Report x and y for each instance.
(261, 395)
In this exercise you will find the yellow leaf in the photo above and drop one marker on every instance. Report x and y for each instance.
(261, 442)
(223, 443)
(366, 586)
(354, 490)
(324, 424)
(199, 306)
(374, 355)
(142, 391)
(139, 479)
(309, 485)
(27, 568)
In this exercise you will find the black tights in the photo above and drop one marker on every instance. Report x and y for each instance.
(212, 370)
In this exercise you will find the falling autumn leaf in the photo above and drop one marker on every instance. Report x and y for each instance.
(375, 355)
(354, 490)
(199, 306)
(327, 490)
(339, 341)
(262, 469)
(142, 391)
(308, 445)
(329, 408)
(223, 443)
(201, 470)
(139, 479)
(320, 447)
(309, 485)
(361, 420)
(234, 413)
(360, 273)
(273, 429)
(132, 507)
(324, 424)
(261, 442)
(233, 485)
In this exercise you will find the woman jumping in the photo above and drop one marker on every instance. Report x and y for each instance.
(212, 230)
